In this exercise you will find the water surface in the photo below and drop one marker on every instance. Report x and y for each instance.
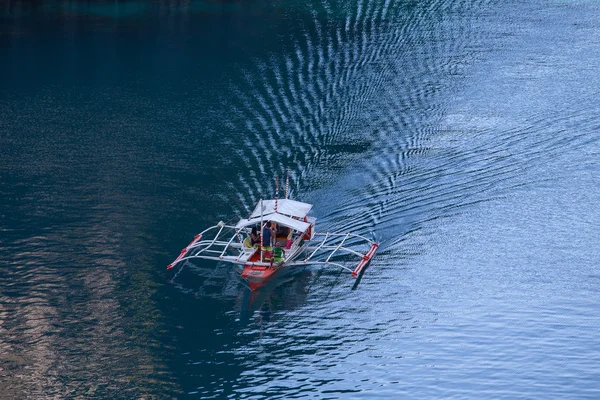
(462, 135)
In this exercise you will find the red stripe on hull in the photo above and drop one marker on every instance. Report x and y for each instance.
(257, 276)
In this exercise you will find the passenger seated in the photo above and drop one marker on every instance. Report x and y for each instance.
(288, 242)
(278, 254)
(254, 238)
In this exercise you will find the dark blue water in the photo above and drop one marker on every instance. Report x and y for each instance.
(462, 135)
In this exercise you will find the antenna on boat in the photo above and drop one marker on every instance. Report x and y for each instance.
(287, 182)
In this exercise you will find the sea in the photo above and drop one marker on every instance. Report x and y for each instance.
(461, 135)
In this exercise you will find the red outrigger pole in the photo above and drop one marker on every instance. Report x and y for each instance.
(365, 260)
(184, 251)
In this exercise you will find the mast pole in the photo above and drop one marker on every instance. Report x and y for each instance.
(261, 230)
(276, 191)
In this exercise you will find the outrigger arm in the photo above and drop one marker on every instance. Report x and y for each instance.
(299, 245)
(199, 248)
(331, 245)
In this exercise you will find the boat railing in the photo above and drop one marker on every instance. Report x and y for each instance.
(333, 247)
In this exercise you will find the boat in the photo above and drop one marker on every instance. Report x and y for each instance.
(287, 239)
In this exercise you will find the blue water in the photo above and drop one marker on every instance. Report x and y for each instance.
(462, 135)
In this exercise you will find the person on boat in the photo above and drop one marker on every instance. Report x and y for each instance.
(266, 235)
(254, 238)
(274, 233)
(278, 253)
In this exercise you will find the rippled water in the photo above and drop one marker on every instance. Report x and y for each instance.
(462, 135)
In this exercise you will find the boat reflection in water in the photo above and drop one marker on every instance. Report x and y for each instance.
(287, 290)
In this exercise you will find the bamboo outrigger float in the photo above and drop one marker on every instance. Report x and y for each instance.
(287, 239)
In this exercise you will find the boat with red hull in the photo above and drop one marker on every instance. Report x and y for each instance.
(278, 235)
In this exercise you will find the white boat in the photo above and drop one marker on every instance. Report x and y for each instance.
(293, 242)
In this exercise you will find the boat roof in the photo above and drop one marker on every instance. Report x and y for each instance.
(280, 219)
(291, 208)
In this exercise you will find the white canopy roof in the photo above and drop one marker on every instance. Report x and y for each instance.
(288, 207)
(300, 226)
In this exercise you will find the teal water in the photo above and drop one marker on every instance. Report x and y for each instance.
(462, 135)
